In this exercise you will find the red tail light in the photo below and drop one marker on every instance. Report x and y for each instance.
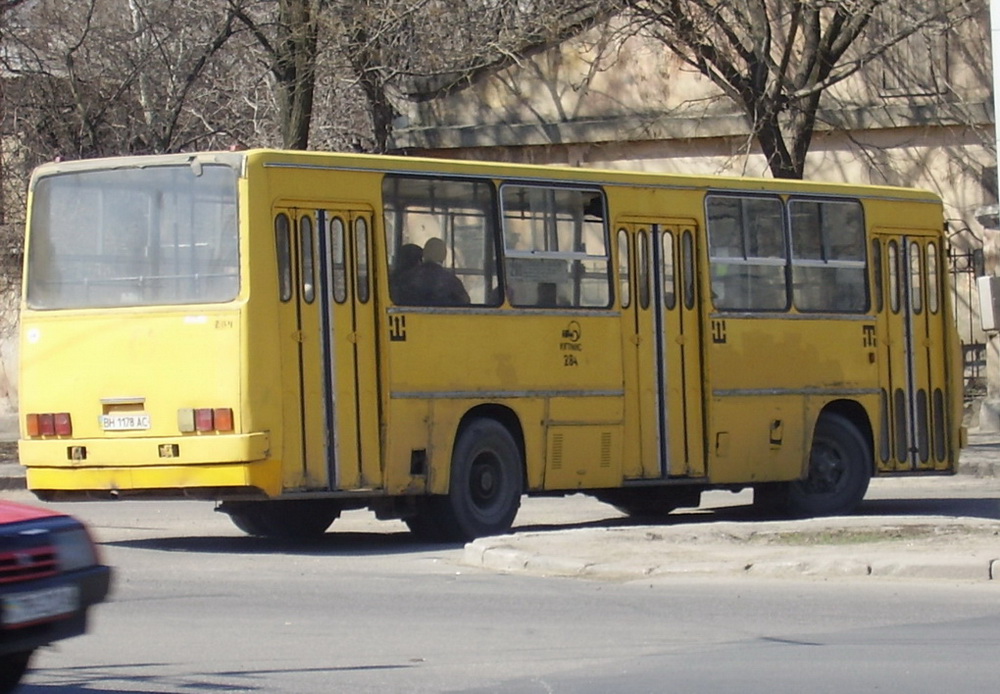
(203, 420)
(49, 424)
(223, 417)
(63, 424)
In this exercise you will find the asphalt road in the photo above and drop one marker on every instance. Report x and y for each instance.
(197, 606)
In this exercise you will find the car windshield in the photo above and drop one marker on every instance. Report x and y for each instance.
(134, 237)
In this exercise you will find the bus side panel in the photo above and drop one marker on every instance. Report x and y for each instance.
(458, 360)
(768, 380)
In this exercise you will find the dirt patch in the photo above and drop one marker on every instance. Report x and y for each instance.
(858, 536)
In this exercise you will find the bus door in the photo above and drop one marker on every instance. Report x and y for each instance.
(302, 454)
(328, 352)
(910, 343)
(644, 413)
(679, 335)
(661, 351)
(349, 328)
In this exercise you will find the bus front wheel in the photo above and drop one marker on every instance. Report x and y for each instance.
(484, 494)
(840, 464)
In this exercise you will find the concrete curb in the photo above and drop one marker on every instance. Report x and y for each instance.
(964, 549)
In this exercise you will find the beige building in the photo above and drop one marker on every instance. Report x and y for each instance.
(921, 116)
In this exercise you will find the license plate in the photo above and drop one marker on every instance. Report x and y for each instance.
(39, 605)
(132, 421)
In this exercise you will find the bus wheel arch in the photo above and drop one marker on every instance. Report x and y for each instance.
(840, 464)
(487, 476)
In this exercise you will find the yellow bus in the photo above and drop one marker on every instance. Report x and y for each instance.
(292, 334)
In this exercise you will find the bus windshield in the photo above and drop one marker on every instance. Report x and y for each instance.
(134, 237)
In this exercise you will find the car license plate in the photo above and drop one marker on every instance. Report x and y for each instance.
(131, 421)
(39, 605)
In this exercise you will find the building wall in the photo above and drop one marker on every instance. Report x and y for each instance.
(627, 103)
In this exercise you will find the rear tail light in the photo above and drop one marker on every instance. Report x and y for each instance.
(205, 419)
(49, 424)
(63, 424)
(223, 417)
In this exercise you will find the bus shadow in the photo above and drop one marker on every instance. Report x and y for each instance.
(353, 543)
(331, 544)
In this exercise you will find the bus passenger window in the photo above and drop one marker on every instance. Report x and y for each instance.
(555, 237)
(828, 256)
(441, 241)
(748, 255)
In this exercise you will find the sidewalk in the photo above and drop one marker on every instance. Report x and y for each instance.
(922, 547)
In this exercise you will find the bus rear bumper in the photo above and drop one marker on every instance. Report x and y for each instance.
(207, 467)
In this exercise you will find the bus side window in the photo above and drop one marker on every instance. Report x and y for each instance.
(892, 258)
(828, 255)
(669, 278)
(283, 246)
(749, 256)
(877, 272)
(623, 265)
(361, 240)
(933, 283)
(450, 225)
(556, 246)
(338, 253)
(308, 259)
(916, 279)
(642, 268)
(687, 260)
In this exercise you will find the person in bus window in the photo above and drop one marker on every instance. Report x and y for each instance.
(403, 281)
(438, 286)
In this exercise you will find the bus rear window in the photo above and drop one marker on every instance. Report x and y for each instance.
(134, 237)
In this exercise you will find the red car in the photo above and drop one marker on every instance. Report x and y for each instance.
(50, 574)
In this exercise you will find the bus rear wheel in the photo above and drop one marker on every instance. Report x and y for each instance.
(283, 519)
(484, 494)
(840, 464)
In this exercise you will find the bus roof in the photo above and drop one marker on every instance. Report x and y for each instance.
(246, 159)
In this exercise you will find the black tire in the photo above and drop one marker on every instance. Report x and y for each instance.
(651, 503)
(486, 484)
(12, 669)
(291, 520)
(424, 524)
(840, 467)
(249, 519)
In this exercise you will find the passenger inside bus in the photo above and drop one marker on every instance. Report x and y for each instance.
(401, 280)
(440, 286)
(426, 282)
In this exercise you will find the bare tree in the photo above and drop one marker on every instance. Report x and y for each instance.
(776, 58)
(287, 32)
(389, 50)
